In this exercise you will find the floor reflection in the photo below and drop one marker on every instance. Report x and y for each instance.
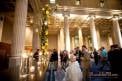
(31, 70)
(59, 74)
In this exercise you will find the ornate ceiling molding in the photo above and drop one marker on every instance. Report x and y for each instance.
(87, 11)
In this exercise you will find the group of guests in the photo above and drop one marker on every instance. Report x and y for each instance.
(77, 62)
(72, 62)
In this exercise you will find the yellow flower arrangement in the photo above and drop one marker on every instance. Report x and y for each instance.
(47, 12)
(44, 30)
(46, 33)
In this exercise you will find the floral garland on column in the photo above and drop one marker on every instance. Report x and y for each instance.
(44, 29)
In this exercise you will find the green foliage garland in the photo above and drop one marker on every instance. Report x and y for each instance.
(44, 29)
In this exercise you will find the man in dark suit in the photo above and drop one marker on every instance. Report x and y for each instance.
(36, 55)
(78, 55)
(115, 59)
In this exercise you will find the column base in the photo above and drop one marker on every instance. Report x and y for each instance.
(14, 68)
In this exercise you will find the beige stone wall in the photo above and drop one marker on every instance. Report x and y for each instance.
(105, 41)
(28, 36)
(53, 41)
(7, 31)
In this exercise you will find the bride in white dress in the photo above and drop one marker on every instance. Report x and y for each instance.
(73, 71)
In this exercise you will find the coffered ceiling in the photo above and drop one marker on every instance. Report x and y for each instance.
(78, 20)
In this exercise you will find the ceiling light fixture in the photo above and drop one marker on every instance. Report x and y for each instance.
(77, 2)
(52, 1)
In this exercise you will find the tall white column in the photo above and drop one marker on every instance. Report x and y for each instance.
(61, 39)
(19, 31)
(35, 38)
(19, 27)
(117, 31)
(93, 33)
(98, 37)
(66, 32)
(113, 35)
(18, 41)
(110, 39)
(1, 26)
(80, 35)
(59, 47)
(73, 43)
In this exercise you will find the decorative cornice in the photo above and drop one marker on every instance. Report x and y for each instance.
(84, 11)
(66, 13)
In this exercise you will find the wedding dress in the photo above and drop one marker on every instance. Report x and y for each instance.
(73, 72)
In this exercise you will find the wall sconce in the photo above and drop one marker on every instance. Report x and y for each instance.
(101, 3)
(77, 2)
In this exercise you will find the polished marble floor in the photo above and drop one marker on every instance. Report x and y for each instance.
(42, 73)
(52, 75)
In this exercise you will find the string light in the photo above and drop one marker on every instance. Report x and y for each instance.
(32, 69)
(24, 55)
(40, 73)
(45, 22)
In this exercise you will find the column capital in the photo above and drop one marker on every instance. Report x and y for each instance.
(92, 15)
(61, 27)
(36, 29)
(37, 19)
(116, 16)
(79, 27)
(66, 14)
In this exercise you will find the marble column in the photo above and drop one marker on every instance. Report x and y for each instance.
(73, 42)
(80, 36)
(66, 32)
(113, 35)
(61, 39)
(86, 41)
(117, 31)
(1, 26)
(93, 33)
(18, 41)
(59, 46)
(98, 36)
(36, 39)
(110, 41)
